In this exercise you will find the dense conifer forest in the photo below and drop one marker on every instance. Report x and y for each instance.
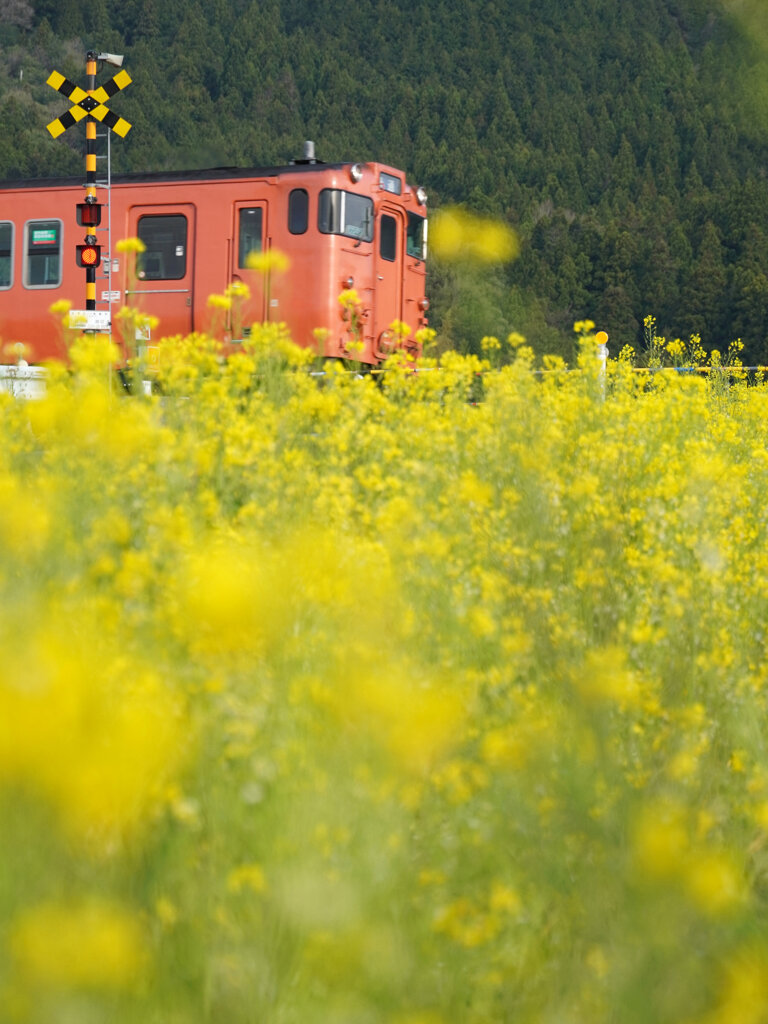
(626, 142)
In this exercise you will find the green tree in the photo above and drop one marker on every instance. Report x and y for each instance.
(703, 292)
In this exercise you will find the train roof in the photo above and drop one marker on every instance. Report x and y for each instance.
(198, 174)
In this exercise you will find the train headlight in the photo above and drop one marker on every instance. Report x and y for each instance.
(356, 172)
(423, 304)
(421, 196)
(348, 283)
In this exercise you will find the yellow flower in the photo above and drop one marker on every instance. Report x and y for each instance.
(246, 876)
(466, 924)
(238, 290)
(400, 329)
(456, 234)
(89, 944)
(504, 899)
(93, 353)
(94, 735)
(146, 322)
(743, 990)
(425, 336)
(130, 245)
(605, 676)
(267, 262)
(414, 723)
(349, 297)
(432, 876)
(584, 326)
(715, 882)
(661, 840)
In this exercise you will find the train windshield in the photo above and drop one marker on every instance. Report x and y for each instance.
(416, 239)
(345, 213)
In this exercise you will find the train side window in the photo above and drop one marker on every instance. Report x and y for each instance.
(416, 238)
(388, 237)
(345, 213)
(6, 254)
(165, 240)
(249, 233)
(42, 245)
(298, 211)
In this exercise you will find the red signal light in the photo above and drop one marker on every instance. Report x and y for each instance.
(89, 215)
(88, 255)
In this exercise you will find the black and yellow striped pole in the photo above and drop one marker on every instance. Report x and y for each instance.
(89, 103)
(90, 261)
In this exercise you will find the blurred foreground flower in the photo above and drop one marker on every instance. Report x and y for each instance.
(457, 235)
(93, 733)
(266, 262)
(130, 245)
(219, 302)
(91, 945)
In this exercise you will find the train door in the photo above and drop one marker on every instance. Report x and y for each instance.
(250, 241)
(388, 301)
(164, 271)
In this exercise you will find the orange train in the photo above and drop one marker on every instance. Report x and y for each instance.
(355, 227)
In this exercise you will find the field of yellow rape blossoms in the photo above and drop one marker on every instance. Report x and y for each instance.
(349, 700)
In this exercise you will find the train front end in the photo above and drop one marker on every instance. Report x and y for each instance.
(357, 238)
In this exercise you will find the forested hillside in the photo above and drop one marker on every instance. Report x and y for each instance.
(627, 142)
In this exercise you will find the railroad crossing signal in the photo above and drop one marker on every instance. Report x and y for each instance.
(88, 215)
(88, 255)
(88, 103)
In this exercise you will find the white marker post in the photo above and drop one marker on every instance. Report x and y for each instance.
(602, 355)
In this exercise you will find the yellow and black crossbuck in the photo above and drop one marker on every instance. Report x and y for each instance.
(84, 103)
